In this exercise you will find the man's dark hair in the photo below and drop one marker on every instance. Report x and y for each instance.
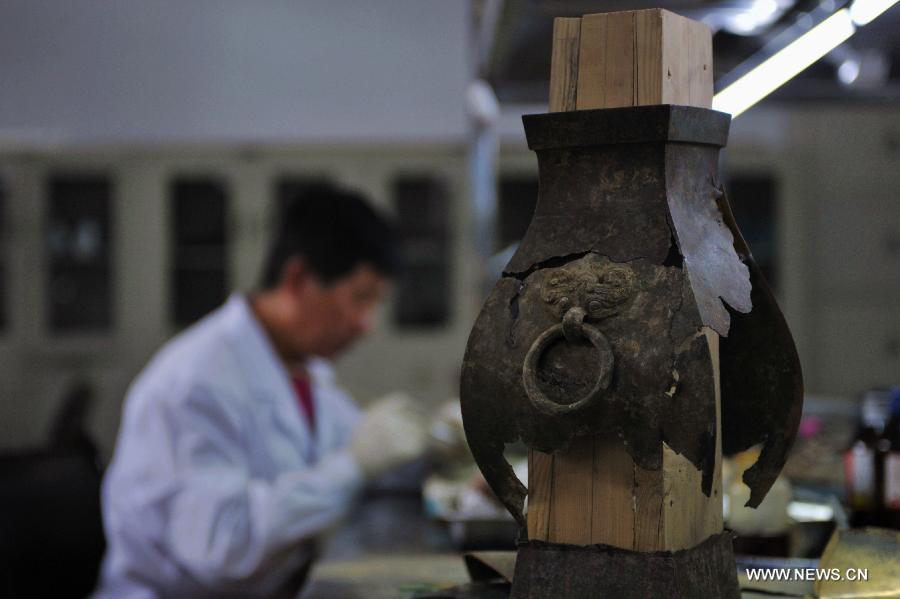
(334, 230)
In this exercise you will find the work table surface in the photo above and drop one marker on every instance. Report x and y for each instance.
(388, 549)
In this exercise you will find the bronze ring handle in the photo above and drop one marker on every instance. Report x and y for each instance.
(573, 324)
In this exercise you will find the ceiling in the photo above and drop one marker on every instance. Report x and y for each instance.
(518, 37)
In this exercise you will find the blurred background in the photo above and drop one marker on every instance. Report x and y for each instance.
(145, 148)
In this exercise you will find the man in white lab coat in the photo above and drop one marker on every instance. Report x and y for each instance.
(237, 448)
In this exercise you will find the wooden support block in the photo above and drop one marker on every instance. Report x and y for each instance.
(673, 59)
(564, 64)
(540, 490)
(606, 63)
(649, 509)
(612, 518)
(700, 72)
(571, 505)
(648, 40)
(595, 493)
(643, 57)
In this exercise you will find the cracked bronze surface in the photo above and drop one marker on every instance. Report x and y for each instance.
(628, 231)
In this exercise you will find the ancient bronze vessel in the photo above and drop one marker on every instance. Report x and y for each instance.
(597, 325)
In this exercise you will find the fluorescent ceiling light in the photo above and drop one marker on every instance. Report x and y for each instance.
(787, 63)
(865, 11)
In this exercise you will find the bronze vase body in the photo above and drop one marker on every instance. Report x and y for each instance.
(597, 325)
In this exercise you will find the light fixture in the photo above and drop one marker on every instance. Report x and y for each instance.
(757, 15)
(848, 71)
(775, 71)
(865, 11)
(787, 63)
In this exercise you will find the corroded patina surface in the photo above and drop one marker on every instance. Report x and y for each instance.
(601, 571)
(762, 383)
(597, 325)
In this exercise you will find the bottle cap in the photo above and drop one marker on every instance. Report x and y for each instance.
(876, 406)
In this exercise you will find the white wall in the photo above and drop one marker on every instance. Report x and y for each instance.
(839, 235)
(166, 71)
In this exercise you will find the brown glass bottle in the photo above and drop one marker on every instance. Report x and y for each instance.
(862, 466)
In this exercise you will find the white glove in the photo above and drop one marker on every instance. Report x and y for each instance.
(391, 432)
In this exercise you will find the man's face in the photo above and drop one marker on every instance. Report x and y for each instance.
(331, 317)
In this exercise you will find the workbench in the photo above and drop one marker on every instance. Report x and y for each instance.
(389, 549)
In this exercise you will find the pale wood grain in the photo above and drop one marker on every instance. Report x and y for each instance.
(570, 511)
(564, 64)
(612, 517)
(620, 65)
(648, 57)
(540, 488)
(700, 74)
(592, 62)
